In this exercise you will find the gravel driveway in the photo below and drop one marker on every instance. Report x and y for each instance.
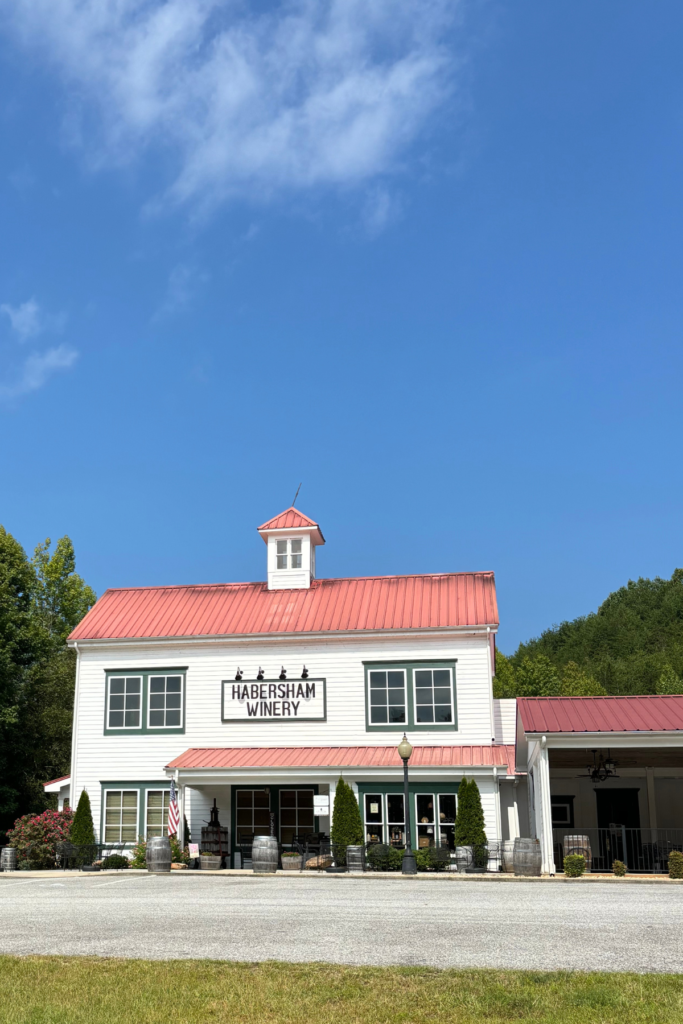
(360, 921)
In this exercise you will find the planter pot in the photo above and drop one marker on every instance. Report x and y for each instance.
(209, 863)
(292, 863)
(464, 858)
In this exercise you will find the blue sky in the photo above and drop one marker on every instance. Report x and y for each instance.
(424, 259)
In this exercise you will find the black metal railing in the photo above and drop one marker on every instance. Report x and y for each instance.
(642, 850)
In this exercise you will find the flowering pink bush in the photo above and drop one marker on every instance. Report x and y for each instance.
(35, 837)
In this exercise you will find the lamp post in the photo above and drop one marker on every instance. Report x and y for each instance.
(408, 867)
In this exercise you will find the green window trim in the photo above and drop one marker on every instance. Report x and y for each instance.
(144, 675)
(141, 789)
(409, 668)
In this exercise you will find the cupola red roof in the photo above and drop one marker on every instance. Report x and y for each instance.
(290, 519)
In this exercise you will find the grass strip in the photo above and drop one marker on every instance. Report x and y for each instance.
(80, 990)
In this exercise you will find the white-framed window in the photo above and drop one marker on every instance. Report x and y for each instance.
(435, 817)
(120, 815)
(433, 695)
(296, 813)
(124, 702)
(289, 553)
(374, 818)
(165, 702)
(387, 696)
(396, 819)
(156, 812)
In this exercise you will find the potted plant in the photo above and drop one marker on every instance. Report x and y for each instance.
(291, 861)
(209, 861)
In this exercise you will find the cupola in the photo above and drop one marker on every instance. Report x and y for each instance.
(291, 538)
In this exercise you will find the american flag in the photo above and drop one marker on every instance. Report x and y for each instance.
(173, 813)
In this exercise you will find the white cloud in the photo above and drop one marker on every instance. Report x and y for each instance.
(183, 284)
(25, 319)
(250, 99)
(38, 369)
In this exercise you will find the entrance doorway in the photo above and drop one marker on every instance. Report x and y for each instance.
(618, 807)
(618, 827)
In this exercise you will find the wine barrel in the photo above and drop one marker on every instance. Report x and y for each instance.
(580, 845)
(264, 855)
(354, 858)
(8, 859)
(526, 857)
(508, 856)
(464, 858)
(158, 855)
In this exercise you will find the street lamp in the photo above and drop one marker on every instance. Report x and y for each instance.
(408, 867)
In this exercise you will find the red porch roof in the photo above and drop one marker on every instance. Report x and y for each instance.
(233, 609)
(62, 778)
(601, 714)
(346, 757)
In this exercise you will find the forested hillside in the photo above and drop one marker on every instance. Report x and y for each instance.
(632, 644)
(41, 600)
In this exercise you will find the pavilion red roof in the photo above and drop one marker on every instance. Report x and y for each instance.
(235, 609)
(346, 757)
(601, 714)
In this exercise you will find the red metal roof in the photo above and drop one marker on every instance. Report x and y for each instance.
(346, 757)
(290, 519)
(61, 778)
(235, 609)
(601, 714)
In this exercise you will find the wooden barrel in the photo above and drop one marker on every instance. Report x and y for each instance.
(158, 855)
(8, 859)
(354, 858)
(264, 855)
(580, 845)
(526, 857)
(464, 858)
(508, 856)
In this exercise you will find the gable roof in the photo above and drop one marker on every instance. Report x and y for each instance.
(236, 609)
(290, 519)
(601, 714)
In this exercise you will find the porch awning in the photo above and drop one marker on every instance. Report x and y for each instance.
(498, 754)
(601, 714)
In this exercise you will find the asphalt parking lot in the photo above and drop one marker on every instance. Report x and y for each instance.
(360, 921)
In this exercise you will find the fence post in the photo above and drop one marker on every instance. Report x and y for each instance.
(623, 845)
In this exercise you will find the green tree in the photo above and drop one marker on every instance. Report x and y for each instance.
(669, 682)
(347, 827)
(505, 679)
(469, 819)
(60, 597)
(577, 683)
(82, 830)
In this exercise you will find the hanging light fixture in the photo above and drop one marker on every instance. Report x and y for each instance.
(602, 768)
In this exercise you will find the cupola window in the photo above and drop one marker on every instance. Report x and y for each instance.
(289, 554)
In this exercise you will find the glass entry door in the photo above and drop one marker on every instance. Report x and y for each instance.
(253, 814)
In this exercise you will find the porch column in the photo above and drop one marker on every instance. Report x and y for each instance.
(651, 803)
(514, 824)
(544, 814)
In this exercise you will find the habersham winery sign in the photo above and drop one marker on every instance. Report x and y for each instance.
(271, 700)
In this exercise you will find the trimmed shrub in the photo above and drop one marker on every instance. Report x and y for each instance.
(115, 862)
(469, 820)
(676, 864)
(82, 831)
(429, 859)
(35, 838)
(619, 868)
(574, 865)
(347, 827)
(381, 857)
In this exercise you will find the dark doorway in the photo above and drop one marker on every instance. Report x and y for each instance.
(618, 807)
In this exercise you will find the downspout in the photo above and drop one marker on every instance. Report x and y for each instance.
(490, 664)
(74, 729)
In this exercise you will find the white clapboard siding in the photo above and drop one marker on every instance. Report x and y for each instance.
(139, 758)
(505, 720)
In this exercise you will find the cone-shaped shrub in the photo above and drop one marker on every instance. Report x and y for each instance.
(469, 821)
(82, 831)
(347, 828)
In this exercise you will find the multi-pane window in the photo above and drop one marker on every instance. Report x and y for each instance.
(165, 701)
(435, 815)
(125, 702)
(289, 554)
(433, 695)
(374, 818)
(296, 813)
(252, 814)
(121, 816)
(157, 812)
(387, 697)
(396, 819)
